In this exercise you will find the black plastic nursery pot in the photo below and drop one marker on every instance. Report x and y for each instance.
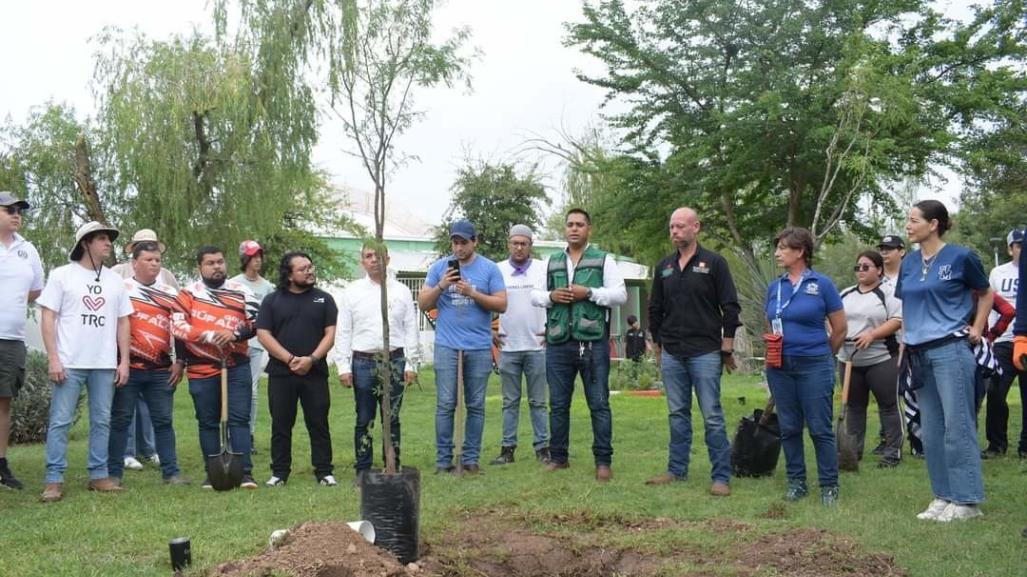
(392, 503)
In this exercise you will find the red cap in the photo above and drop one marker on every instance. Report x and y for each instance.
(249, 248)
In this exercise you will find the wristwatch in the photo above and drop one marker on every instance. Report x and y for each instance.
(588, 295)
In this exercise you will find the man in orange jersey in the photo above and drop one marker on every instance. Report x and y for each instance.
(152, 374)
(217, 317)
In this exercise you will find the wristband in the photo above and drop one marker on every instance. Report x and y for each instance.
(291, 357)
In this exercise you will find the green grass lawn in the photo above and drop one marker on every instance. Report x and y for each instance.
(127, 534)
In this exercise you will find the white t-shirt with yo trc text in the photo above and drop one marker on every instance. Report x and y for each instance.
(88, 309)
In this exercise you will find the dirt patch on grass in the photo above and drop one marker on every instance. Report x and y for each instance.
(317, 550)
(493, 543)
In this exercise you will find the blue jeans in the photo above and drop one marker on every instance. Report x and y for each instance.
(100, 386)
(160, 398)
(947, 419)
(532, 364)
(366, 394)
(679, 377)
(206, 395)
(564, 363)
(803, 390)
(140, 431)
(477, 367)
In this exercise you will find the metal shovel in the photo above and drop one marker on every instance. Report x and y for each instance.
(224, 468)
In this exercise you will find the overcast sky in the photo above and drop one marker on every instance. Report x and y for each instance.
(523, 83)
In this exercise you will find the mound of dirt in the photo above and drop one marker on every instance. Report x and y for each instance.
(317, 550)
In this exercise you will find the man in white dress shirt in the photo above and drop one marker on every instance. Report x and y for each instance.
(359, 341)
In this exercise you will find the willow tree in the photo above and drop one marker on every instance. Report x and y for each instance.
(205, 148)
(374, 54)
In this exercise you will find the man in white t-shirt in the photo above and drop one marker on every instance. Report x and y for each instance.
(251, 258)
(86, 333)
(1005, 281)
(521, 337)
(21, 280)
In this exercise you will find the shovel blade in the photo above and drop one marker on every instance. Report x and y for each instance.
(225, 470)
(848, 454)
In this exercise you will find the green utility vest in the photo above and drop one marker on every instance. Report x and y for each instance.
(584, 320)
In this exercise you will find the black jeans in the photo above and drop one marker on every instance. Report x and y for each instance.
(996, 419)
(881, 380)
(312, 393)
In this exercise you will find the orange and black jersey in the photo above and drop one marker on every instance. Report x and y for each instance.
(152, 308)
(205, 310)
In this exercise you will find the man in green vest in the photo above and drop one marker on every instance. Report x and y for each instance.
(583, 284)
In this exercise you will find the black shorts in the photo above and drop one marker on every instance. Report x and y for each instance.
(12, 367)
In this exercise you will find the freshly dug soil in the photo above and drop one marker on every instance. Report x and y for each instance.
(317, 550)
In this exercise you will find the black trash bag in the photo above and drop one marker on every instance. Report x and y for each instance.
(757, 445)
(392, 503)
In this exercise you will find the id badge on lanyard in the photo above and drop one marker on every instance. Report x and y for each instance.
(777, 325)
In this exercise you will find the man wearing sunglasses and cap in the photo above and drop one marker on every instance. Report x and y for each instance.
(21, 280)
(86, 332)
(251, 259)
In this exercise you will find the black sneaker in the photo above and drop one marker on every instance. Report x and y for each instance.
(7, 479)
(207, 484)
(248, 482)
(506, 456)
(542, 456)
(797, 489)
(887, 463)
(879, 449)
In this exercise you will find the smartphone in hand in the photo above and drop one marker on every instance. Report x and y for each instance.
(454, 265)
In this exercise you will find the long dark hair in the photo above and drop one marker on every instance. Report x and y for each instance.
(285, 267)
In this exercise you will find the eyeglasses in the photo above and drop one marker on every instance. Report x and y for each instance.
(15, 209)
(861, 268)
(519, 244)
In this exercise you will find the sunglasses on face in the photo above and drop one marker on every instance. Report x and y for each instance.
(15, 209)
(861, 268)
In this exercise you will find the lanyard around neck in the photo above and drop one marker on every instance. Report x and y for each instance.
(781, 307)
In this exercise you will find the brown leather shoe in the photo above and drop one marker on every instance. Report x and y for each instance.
(472, 469)
(554, 466)
(664, 479)
(52, 493)
(603, 473)
(106, 485)
(720, 489)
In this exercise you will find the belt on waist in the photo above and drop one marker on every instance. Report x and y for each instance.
(396, 354)
(934, 344)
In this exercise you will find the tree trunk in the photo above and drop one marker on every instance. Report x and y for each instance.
(386, 364)
(86, 184)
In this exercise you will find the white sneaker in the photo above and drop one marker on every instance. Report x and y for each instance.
(155, 459)
(133, 464)
(959, 513)
(328, 481)
(275, 482)
(937, 507)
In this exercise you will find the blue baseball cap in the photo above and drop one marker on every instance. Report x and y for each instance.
(1015, 235)
(463, 229)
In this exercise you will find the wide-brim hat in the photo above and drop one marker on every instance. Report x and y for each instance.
(144, 235)
(86, 230)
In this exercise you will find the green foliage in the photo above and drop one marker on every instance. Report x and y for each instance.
(493, 198)
(188, 141)
(643, 375)
(766, 114)
(30, 410)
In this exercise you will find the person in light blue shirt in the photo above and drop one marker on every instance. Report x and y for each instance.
(936, 284)
(466, 288)
(798, 305)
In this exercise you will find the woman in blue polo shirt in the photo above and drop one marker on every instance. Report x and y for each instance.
(936, 285)
(798, 306)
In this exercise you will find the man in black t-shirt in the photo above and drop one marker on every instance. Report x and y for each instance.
(296, 325)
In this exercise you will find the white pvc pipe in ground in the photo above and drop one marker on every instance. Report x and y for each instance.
(365, 528)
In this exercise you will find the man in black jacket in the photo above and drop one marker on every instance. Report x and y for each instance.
(693, 315)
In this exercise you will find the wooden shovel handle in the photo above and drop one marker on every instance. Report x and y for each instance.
(845, 383)
(224, 392)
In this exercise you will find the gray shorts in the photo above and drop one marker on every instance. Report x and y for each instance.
(12, 367)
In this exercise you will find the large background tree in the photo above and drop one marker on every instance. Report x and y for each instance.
(493, 197)
(784, 112)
